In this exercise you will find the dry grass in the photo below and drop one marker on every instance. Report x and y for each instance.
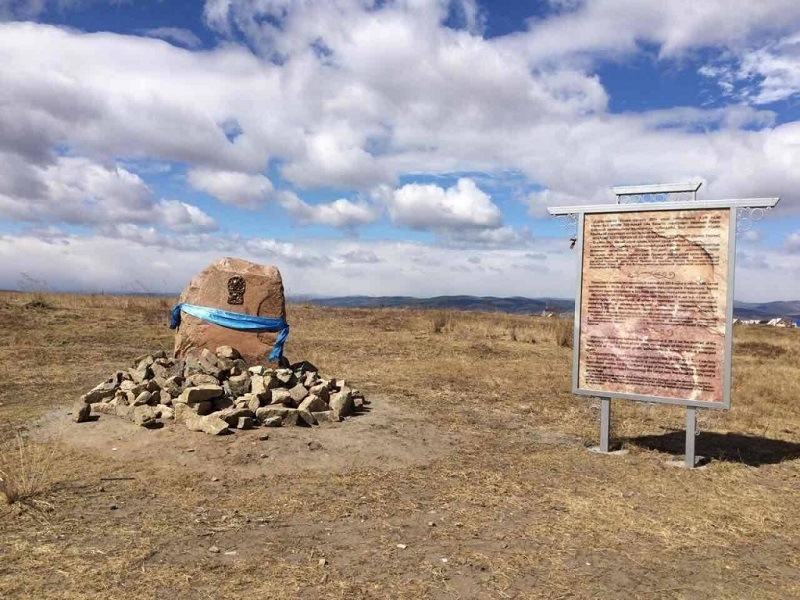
(520, 508)
(26, 471)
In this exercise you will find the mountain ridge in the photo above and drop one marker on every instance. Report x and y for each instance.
(521, 305)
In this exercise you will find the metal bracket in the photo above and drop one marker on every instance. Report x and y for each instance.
(746, 216)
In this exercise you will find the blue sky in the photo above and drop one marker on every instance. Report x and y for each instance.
(381, 147)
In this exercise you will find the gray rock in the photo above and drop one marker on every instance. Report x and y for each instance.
(160, 371)
(173, 386)
(311, 379)
(291, 418)
(100, 392)
(103, 408)
(280, 396)
(257, 370)
(321, 390)
(259, 387)
(204, 408)
(208, 363)
(210, 424)
(342, 402)
(142, 399)
(126, 385)
(228, 352)
(313, 404)
(358, 403)
(164, 398)
(272, 421)
(143, 415)
(266, 412)
(152, 386)
(288, 416)
(305, 417)
(239, 384)
(232, 415)
(166, 412)
(200, 379)
(201, 393)
(253, 402)
(327, 417)
(298, 394)
(81, 412)
(285, 376)
(245, 423)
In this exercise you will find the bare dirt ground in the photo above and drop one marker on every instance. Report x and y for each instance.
(468, 478)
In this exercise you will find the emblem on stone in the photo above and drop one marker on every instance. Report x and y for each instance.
(236, 288)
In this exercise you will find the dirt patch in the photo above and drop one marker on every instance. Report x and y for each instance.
(385, 437)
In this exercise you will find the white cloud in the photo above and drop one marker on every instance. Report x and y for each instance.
(132, 254)
(770, 73)
(232, 187)
(793, 242)
(341, 213)
(182, 217)
(181, 37)
(81, 192)
(430, 207)
(612, 28)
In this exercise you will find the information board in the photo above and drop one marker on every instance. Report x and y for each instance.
(654, 307)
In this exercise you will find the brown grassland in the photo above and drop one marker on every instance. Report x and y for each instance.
(475, 482)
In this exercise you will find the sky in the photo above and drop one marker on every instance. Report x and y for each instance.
(381, 147)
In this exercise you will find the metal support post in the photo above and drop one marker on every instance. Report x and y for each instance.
(605, 423)
(691, 429)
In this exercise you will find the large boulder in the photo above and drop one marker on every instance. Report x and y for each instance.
(234, 285)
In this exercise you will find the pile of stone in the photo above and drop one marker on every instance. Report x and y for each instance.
(213, 392)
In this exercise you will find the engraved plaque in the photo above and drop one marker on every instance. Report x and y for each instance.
(236, 288)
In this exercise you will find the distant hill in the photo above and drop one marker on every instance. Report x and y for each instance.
(518, 305)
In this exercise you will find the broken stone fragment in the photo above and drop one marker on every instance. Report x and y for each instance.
(160, 371)
(285, 376)
(210, 424)
(173, 386)
(266, 412)
(142, 399)
(143, 415)
(200, 379)
(272, 421)
(204, 408)
(321, 390)
(103, 408)
(342, 402)
(232, 415)
(313, 404)
(257, 370)
(239, 384)
(100, 392)
(164, 398)
(305, 417)
(281, 396)
(81, 412)
(166, 412)
(201, 393)
(326, 417)
(228, 352)
(245, 423)
(298, 394)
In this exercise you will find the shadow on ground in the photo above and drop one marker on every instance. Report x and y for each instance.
(730, 447)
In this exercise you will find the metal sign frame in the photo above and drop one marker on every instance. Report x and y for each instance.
(748, 209)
